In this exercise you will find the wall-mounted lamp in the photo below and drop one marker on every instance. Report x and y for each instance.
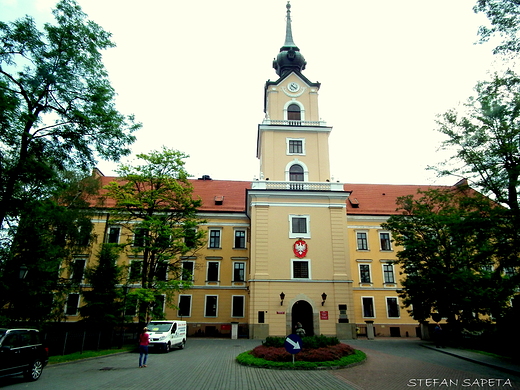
(23, 272)
(323, 298)
(282, 297)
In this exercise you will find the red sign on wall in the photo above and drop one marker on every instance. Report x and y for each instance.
(324, 315)
(300, 249)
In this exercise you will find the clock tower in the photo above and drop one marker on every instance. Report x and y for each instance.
(299, 253)
(292, 139)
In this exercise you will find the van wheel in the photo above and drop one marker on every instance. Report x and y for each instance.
(183, 344)
(167, 348)
(35, 371)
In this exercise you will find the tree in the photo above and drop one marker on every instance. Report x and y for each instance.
(154, 202)
(485, 141)
(450, 246)
(504, 17)
(103, 301)
(43, 241)
(58, 110)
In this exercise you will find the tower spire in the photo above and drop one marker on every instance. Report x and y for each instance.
(288, 30)
(289, 59)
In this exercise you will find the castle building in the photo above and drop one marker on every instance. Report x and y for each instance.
(293, 246)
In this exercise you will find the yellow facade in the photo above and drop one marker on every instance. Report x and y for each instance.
(285, 249)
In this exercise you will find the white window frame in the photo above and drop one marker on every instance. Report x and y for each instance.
(363, 306)
(245, 271)
(220, 238)
(85, 260)
(235, 230)
(118, 236)
(386, 263)
(369, 273)
(308, 261)
(206, 303)
(66, 309)
(179, 304)
(357, 242)
(300, 235)
(389, 241)
(299, 104)
(207, 271)
(296, 162)
(193, 268)
(398, 307)
(289, 153)
(243, 306)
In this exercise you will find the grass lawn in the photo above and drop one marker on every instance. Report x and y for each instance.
(88, 354)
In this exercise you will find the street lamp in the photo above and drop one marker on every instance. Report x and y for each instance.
(324, 298)
(282, 297)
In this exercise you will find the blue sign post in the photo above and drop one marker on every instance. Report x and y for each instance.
(293, 344)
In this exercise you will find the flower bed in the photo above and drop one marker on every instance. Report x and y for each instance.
(317, 352)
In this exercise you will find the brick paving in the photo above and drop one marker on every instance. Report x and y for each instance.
(209, 364)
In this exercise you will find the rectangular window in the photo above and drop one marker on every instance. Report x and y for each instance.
(211, 306)
(364, 273)
(300, 269)
(299, 226)
(392, 307)
(187, 270)
(78, 270)
(388, 272)
(140, 237)
(368, 307)
(72, 305)
(214, 238)
(84, 235)
(261, 317)
(362, 241)
(240, 239)
(213, 267)
(237, 309)
(184, 306)
(190, 238)
(239, 271)
(136, 270)
(385, 241)
(295, 146)
(113, 235)
(161, 270)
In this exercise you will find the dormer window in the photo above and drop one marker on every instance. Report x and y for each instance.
(294, 112)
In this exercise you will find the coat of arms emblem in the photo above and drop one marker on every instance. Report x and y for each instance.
(300, 249)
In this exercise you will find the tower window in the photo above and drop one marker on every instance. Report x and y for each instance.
(294, 112)
(296, 173)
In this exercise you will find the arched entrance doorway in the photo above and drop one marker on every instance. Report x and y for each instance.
(302, 312)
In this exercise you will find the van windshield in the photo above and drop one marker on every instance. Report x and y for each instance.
(159, 326)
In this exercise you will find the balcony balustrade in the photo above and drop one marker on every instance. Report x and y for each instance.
(296, 185)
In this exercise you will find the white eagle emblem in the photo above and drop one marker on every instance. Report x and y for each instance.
(300, 248)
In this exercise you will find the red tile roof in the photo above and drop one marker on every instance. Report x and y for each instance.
(230, 196)
(378, 199)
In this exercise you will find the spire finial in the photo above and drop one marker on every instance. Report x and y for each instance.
(288, 31)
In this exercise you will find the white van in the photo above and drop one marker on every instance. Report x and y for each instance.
(166, 334)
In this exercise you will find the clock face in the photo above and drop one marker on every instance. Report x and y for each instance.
(293, 87)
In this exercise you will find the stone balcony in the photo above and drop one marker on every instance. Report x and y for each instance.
(296, 185)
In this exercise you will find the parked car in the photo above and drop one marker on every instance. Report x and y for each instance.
(22, 353)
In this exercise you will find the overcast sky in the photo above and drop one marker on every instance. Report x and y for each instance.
(193, 72)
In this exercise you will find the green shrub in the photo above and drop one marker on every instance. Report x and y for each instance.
(308, 341)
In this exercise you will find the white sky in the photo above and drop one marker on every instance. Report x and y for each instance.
(193, 72)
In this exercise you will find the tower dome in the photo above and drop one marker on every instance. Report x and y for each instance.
(289, 59)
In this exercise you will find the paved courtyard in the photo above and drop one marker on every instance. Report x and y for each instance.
(208, 364)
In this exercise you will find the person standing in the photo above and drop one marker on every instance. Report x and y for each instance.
(144, 340)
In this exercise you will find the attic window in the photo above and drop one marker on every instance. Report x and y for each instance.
(354, 202)
(219, 200)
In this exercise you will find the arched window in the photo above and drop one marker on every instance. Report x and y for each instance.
(294, 112)
(296, 173)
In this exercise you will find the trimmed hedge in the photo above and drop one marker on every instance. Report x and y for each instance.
(308, 342)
